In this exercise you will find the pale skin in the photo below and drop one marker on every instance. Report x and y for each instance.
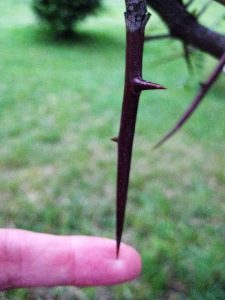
(29, 259)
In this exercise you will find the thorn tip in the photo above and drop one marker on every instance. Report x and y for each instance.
(117, 249)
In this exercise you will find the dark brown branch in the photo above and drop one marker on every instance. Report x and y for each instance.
(185, 27)
(205, 87)
(136, 17)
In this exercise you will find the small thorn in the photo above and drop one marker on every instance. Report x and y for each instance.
(115, 139)
(143, 85)
(202, 84)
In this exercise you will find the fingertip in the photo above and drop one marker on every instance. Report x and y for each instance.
(99, 266)
(129, 263)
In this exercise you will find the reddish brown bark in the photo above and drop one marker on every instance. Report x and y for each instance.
(136, 17)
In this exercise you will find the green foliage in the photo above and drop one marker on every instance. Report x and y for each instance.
(63, 14)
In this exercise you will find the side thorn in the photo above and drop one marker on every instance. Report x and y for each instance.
(143, 85)
(115, 139)
(202, 85)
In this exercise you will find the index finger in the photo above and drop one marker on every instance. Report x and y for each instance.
(34, 259)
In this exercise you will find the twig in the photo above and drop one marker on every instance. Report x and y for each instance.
(158, 37)
(189, 3)
(203, 9)
(205, 87)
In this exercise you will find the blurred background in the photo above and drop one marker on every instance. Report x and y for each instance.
(60, 103)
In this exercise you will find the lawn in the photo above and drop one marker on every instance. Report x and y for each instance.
(60, 104)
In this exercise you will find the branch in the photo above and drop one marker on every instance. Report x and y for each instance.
(185, 27)
(205, 87)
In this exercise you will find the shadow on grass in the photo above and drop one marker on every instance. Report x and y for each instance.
(42, 36)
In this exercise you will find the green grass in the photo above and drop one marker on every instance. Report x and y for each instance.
(60, 105)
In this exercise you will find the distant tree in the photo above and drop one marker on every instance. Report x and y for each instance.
(62, 15)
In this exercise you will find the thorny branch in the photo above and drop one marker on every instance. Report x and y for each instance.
(136, 18)
(182, 25)
(204, 89)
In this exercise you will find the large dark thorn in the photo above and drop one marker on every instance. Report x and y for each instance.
(142, 85)
(204, 89)
(136, 18)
